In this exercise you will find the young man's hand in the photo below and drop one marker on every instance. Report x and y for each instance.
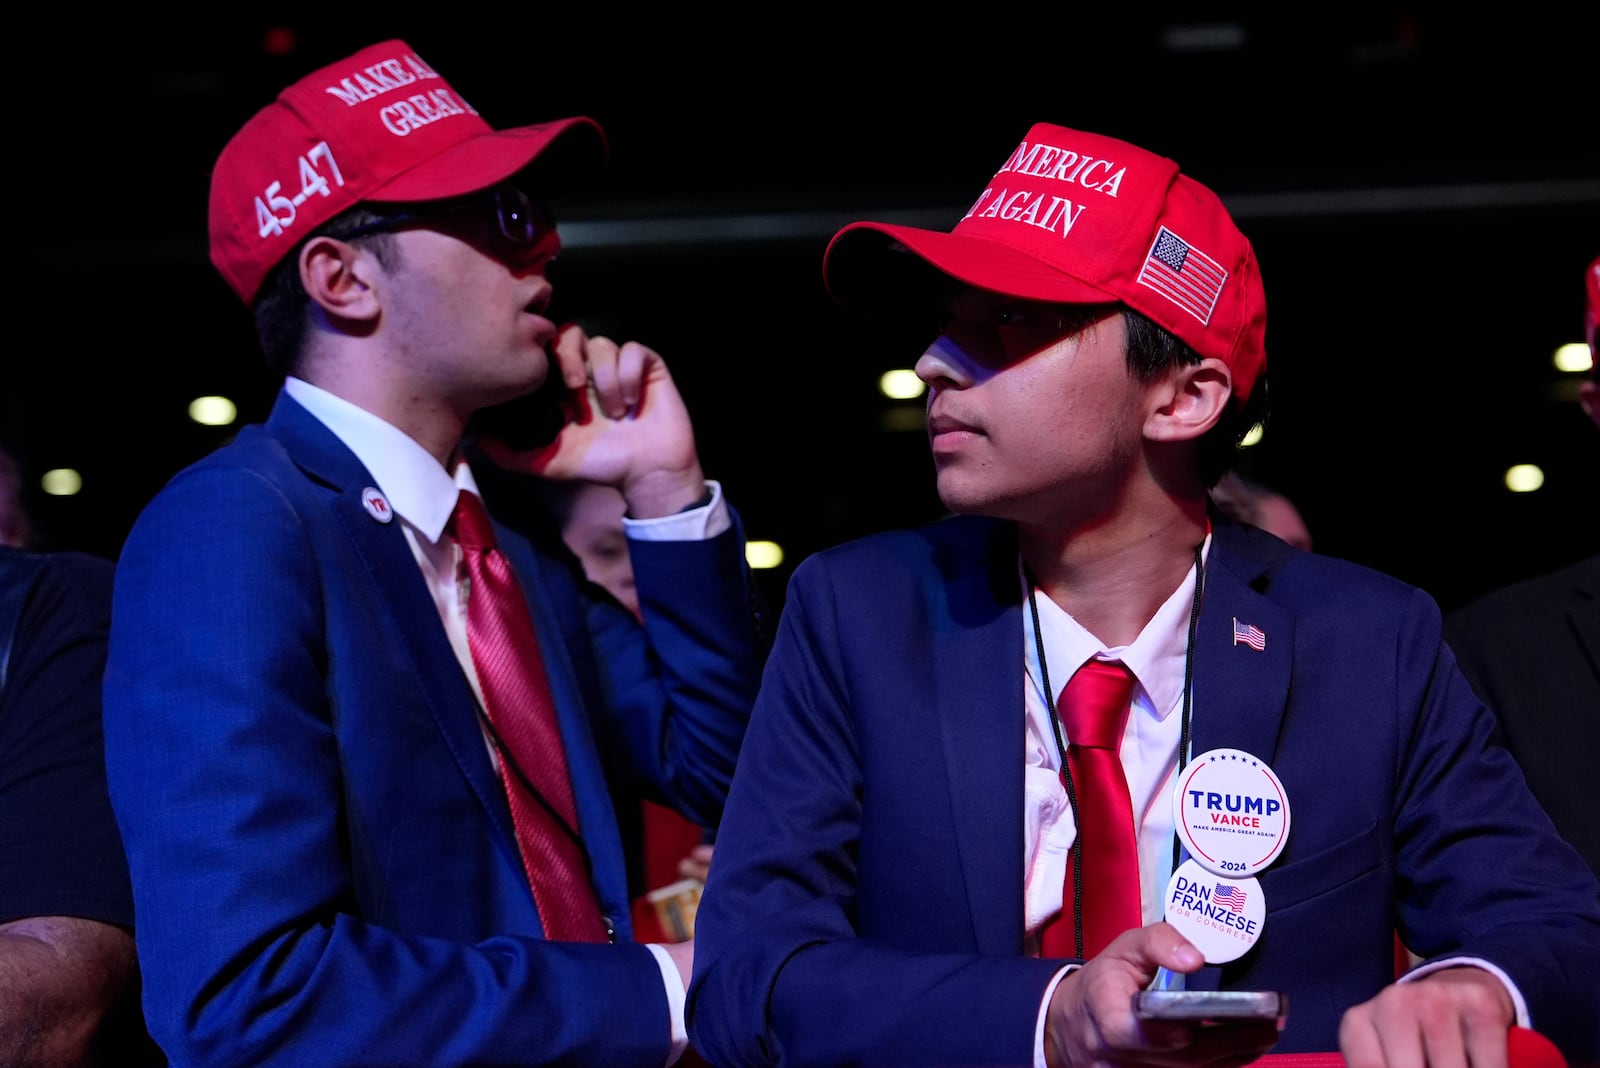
(1452, 1018)
(1091, 1021)
(626, 426)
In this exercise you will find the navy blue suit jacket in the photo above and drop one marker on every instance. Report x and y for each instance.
(323, 862)
(865, 906)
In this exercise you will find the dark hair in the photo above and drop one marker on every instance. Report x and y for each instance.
(1152, 351)
(283, 309)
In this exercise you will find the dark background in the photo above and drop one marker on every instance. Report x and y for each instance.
(1422, 187)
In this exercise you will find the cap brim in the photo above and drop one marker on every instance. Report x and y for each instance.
(900, 273)
(559, 156)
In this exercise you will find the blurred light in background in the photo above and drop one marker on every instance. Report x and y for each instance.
(1574, 358)
(61, 482)
(901, 384)
(1252, 436)
(213, 411)
(763, 554)
(1524, 478)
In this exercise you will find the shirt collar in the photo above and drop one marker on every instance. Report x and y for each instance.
(1157, 657)
(420, 491)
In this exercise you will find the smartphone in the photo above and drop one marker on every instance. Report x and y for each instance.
(1210, 1005)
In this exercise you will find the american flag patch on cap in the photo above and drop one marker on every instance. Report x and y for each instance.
(1183, 274)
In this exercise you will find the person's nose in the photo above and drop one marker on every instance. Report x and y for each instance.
(945, 364)
(535, 258)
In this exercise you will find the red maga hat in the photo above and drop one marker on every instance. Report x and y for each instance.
(380, 125)
(1077, 218)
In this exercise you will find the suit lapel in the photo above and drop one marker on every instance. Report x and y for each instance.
(976, 699)
(1240, 692)
(398, 585)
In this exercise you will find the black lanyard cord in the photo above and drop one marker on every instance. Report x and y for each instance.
(516, 769)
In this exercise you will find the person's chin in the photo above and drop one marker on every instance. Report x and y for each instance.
(961, 495)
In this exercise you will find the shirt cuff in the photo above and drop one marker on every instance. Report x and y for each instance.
(1517, 1001)
(697, 524)
(1044, 1014)
(676, 996)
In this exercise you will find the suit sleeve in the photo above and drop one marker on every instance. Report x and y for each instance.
(226, 779)
(1488, 875)
(681, 699)
(781, 976)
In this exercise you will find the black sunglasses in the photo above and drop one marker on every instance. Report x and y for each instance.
(521, 222)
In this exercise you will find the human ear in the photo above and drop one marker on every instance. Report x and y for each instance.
(337, 278)
(1189, 401)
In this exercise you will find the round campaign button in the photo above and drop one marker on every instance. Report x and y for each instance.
(1231, 813)
(376, 504)
(1222, 917)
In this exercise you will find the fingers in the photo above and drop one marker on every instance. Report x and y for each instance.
(570, 345)
(1228, 1044)
(1456, 1018)
(1362, 1046)
(1158, 945)
(616, 373)
(1091, 1019)
(697, 865)
(632, 359)
(626, 425)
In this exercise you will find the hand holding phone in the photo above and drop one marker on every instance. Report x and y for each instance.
(1106, 1011)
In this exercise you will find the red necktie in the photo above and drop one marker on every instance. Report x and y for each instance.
(1094, 708)
(517, 697)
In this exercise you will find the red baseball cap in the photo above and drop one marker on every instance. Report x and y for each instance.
(1078, 218)
(381, 125)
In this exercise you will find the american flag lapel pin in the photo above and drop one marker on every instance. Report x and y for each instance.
(1249, 634)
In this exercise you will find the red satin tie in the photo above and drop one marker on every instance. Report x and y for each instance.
(517, 697)
(1094, 709)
